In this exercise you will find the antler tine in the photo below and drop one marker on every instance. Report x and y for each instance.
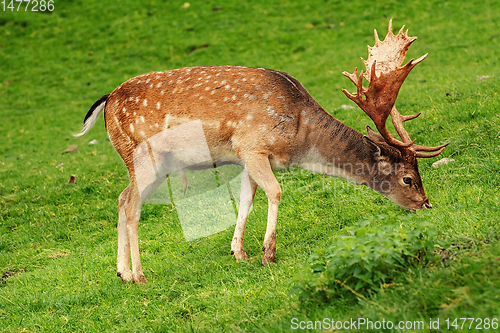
(353, 77)
(428, 155)
(377, 39)
(397, 121)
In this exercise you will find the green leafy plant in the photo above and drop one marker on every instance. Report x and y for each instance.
(371, 255)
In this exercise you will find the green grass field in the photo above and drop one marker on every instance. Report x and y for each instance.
(58, 240)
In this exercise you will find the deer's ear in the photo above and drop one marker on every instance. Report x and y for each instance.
(374, 135)
(374, 149)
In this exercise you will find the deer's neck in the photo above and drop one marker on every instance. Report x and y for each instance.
(332, 148)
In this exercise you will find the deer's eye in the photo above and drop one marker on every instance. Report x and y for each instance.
(407, 180)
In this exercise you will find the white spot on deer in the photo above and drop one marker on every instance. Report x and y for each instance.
(157, 77)
(286, 107)
(245, 96)
(142, 119)
(207, 88)
(136, 120)
(142, 133)
(156, 125)
(174, 91)
(226, 98)
(243, 79)
(131, 98)
(270, 110)
(214, 104)
(233, 98)
(145, 103)
(262, 128)
(249, 117)
(229, 123)
(217, 73)
(280, 97)
(124, 109)
(137, 99)
(162, 92)
(303, 113)
(151, 85)
(147, 81)
(132, 128)
(135, 113)
(188, 70)
(272, 139)
(213, 92)
(266, 96)
(252, 79)
(227, 87)
(170, 82)
(158, 105)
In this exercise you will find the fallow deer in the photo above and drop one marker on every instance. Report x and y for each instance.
(267, 120)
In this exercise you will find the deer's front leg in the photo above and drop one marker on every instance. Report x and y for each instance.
(260, 170)
(248, 188)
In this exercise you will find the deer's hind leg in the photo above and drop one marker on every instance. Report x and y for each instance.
(129, 212)
(123, 259)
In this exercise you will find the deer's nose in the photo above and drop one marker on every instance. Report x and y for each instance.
(427, 205)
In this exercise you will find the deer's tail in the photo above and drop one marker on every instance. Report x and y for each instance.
(91, 117)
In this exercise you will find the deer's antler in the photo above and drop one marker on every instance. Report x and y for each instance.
(385, 76)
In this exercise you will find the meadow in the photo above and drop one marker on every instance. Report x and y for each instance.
(58, 240)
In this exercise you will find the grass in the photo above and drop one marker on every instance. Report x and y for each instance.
(58, 240)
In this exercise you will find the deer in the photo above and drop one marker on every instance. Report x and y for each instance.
(267, 121)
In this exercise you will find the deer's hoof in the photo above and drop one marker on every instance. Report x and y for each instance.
(240, 255)
(140, 279)
(269, 255)
(126, 276)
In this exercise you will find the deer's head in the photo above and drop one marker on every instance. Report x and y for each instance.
(396, 174)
